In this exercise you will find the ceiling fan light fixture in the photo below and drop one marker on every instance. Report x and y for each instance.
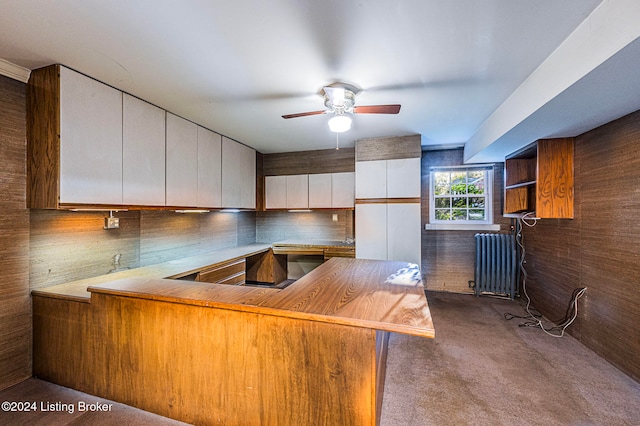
(340, 123)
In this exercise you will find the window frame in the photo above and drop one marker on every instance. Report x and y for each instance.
(434, 223)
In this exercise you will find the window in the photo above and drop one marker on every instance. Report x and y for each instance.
(461, 195)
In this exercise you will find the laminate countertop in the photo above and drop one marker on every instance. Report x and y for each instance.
(375, 294)
(77, 290)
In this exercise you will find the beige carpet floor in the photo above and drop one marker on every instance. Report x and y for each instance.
(484, 370)
(479, 370)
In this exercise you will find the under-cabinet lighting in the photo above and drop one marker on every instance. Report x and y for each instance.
(300, 211)
(230, 211)
(192, 211)
(98, 210)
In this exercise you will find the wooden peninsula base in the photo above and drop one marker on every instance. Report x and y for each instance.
(311, 353)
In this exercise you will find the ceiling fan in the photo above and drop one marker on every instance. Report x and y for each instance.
(340, 99)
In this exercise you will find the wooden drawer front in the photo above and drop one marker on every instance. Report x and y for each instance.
(222, 272)
(339, 252)
(298, 250)
(237, 279)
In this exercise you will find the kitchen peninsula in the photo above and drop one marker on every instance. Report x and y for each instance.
(313, 352)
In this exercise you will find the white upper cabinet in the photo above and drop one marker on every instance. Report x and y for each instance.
(320, 190)
(371, 179)
(298, 191)
(90, 141)
(182, 161)
(314, 191)
(403, 178)
(238, 175)
(343, 188)
(287, 192)
(143, 153)
(93, 145)
(209, 168)
(275, 188)
(397, 178)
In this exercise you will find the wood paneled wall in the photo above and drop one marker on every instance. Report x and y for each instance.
(15, 304)
(310, 162)
(388, 148)
(598, 249)
(448, 256)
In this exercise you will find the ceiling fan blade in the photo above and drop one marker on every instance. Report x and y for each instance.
(303, 114)
(377, 109)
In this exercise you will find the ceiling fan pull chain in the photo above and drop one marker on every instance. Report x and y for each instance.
(337, 146)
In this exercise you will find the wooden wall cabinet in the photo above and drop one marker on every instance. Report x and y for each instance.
(539, 180)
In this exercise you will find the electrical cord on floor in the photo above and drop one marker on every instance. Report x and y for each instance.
(534, 320)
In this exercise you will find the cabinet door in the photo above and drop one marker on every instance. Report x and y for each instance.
(275, 192)
(209, 168)
(90, 140)
(182, 162)
(403, 178)
(298, 191)
(320, 189)
(343, 190)
(403, 232)
(371, 231)
(371, 179)
(248, 176)
(238, 175)
(143, 153)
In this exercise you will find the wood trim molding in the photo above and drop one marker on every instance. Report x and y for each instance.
(14, 71)
(415, 200)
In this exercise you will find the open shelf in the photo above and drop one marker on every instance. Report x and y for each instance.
(539, 179)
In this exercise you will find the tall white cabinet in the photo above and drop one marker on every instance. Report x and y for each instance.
(388, 213)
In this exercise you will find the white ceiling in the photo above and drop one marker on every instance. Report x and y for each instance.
(491, 74)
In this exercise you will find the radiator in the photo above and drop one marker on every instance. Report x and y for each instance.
(495, 267)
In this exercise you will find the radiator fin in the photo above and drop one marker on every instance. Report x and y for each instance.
(495, 266)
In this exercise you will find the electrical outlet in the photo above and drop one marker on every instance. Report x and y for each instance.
(111, 223)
